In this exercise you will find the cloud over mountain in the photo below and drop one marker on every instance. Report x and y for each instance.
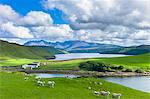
(122, 22)
(114, 21)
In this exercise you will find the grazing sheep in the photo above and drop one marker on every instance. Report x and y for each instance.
(105, 93)
(96, 92)
(40, 83)
(51, 84)
(95, 83)
(89, 88)
(116, 95)
(25, 74)
(38, 78)
(26, 78)
(100, 83)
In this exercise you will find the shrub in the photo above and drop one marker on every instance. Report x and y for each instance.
(117, 67)
(84, 66)
(139, 71)
(128, 70)
(120, 67)
(97, 66)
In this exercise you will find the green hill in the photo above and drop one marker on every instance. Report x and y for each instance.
(133, 50)
(19, 51)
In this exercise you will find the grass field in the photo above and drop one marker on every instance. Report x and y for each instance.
(15, 62)
(13, 86)
(133, 62)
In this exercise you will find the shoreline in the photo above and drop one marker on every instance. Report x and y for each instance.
(77, 72)
(89, 73)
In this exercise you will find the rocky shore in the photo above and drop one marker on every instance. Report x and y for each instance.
(78, 72)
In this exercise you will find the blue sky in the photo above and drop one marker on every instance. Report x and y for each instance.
(25, 6)
(120, 22)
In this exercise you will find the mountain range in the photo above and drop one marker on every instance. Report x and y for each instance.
(88, 47)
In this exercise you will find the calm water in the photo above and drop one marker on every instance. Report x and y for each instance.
(42, 75)
(140, 83)
(85, 55)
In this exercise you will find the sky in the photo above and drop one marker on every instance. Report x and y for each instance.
(120, 22)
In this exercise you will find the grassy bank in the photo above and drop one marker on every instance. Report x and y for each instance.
(14, 62)
(13, 86)
(132, 62)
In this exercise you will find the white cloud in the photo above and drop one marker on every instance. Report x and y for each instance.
(7, 14)
(141, 35)
(122, 22)
(36, 18)
(36, 24)
(53, 32)
(118, 12)
(15, 31)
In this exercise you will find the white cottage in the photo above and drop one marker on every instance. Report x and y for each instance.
(32, 65)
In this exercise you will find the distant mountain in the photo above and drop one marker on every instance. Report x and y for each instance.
(37, 43)
(134, 50)
(88, 47)
(73, 45)
(19, 51)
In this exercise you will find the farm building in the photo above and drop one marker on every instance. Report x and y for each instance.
(32, 65)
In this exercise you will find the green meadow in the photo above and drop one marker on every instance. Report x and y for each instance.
(13, 86)
(132, 62)
(15, 62)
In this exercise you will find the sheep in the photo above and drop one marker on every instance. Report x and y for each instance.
(38, 78)
(89, 88)
(25, 74)
(116, 95)
(40, 83)
(26, 78)
(104, 93)
(96, 92)
(95, 83)
(45, 63)
(100, 83)
(51, 84)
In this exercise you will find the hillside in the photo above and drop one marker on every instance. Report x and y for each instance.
(18, 51)
(133, 50)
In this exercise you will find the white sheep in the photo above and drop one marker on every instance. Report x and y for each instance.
(116, 95)
(89, 88)
(105, 93)
(51, 84)
(96, 92)
(40, 83)
(100, 83)
(26, 78)
(95, 83)
(25, 74)
(38, 78)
